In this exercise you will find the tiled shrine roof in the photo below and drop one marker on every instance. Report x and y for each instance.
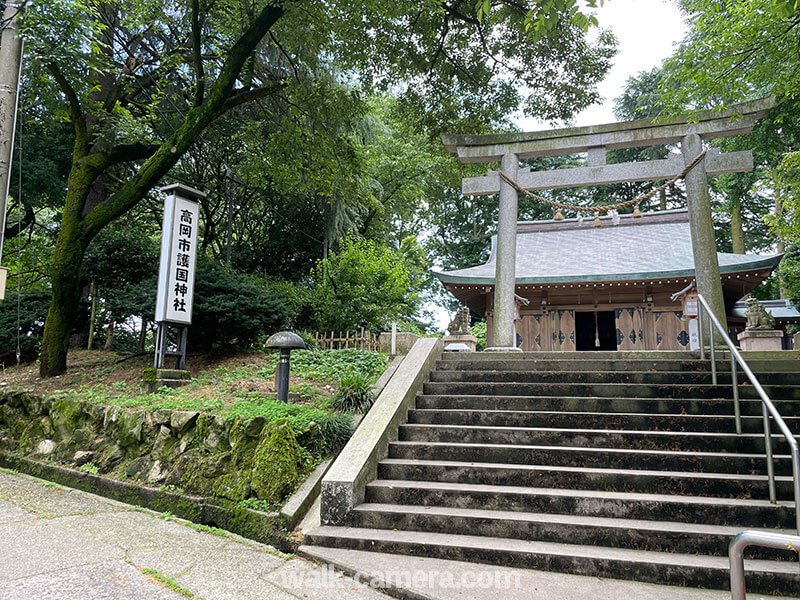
(657, 245)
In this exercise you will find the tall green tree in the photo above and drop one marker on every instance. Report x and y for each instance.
(140, 83)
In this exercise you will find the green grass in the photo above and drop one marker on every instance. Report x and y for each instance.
(262, 505)
(321, 370)
(89, 468)
(168, 583)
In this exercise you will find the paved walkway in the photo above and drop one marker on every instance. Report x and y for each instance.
(57, 543)
(62, 544)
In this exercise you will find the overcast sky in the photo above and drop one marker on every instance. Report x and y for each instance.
(646, 31)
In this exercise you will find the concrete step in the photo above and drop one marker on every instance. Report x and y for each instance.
(703, 366)
(655, 536)
(594, 403)
(593, 438)
(579, 355)
(641, 377)
(606, 458)
(780, 577)
(578, 477)
(593, 420)
(607, 390)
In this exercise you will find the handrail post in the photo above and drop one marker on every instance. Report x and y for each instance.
(713, 353)
(700, 330)
(768, 448)
(765, 539)
(795, 451)
(735, 382)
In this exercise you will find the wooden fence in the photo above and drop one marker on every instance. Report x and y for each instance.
(362, 340)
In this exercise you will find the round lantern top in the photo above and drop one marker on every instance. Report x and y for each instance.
(286, 339)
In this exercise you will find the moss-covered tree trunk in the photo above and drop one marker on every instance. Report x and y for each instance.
(66, 272)
(737, 231)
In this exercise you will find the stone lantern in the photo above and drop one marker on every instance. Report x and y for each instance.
(286, 341)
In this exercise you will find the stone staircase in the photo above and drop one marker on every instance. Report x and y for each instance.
(588, 463)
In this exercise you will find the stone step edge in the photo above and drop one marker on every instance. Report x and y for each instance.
(589, 449)
(585, 470)
(507, 411)
(559, 430)
(594, 398)
(653, 527)
(488, 372)
(598, 553)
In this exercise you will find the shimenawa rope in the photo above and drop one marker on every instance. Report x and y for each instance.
(605, 207)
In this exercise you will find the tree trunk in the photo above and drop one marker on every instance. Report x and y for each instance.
(783, 293)
(142, 337)
(63, 306)
(662, 200)
(65, 276)
(109, 337)
(737, 232)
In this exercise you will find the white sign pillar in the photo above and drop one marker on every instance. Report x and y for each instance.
(176, 273)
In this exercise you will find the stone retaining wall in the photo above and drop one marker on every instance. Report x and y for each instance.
(199, 453)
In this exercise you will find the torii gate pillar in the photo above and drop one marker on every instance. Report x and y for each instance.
(701, 226)
(504, 335)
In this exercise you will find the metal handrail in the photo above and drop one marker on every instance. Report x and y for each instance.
(765, 539)
(767, 407)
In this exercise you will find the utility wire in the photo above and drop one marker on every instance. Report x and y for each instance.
(19, 230)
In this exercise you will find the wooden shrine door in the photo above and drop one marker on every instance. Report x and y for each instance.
(630, 328)
(671, 330)
(532, 327)
(562, 328)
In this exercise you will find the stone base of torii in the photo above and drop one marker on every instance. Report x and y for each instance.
(690, 131)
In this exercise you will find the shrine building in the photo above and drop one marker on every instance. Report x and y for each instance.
(580, 287)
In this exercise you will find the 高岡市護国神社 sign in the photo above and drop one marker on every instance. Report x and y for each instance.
(178, 256)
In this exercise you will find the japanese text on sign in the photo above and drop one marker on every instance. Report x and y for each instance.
(178, 251)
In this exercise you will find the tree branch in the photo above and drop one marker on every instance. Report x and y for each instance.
(131, 152)
(243, 96)
(14, 229)
(196, 120)
(75, 110)
(197, 50)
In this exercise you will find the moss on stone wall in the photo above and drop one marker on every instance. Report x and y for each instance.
(230, 460)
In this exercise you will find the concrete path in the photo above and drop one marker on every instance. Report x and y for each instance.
(62, 544)
(57, 543)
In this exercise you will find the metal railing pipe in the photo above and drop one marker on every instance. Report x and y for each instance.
(711, 347)
(700, 335)
(737, 412)
(768, 409)
(754, 538)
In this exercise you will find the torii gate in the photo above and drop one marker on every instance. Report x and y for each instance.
(690, 130)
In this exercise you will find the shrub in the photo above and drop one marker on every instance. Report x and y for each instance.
(363, 284)
(479, 331)
(233, 308)
(354, 393)
(33, 307)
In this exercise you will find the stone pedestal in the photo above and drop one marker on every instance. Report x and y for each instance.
(403, 342)
(152, 379)
(760, 339)
(460, 343)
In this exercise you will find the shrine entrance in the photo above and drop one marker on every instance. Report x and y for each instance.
(595, 330)
(636, 267)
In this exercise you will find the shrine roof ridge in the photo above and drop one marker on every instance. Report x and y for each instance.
(754, 109)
